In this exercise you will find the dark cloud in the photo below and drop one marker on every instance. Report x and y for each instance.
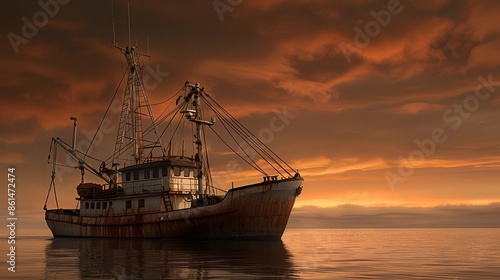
(20, 131)
(354, 120)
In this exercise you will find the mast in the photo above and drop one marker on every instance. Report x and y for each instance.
(130, 135)
(197, 117)
(199, 144)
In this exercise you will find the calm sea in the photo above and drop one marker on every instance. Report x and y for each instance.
(302, 254)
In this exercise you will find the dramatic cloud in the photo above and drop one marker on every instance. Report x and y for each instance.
(366, 82)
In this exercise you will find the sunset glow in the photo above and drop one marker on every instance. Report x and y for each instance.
(389, 104)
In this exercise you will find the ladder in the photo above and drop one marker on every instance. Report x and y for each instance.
(168, 202)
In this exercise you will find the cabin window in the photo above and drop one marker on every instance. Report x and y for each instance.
(136, 175)
(92, 205)
(98, 205)
(146, 174)
(86, 205)
(141, 203)
(186, 172)
(104, 205)
(164, 172)
(156, 173)
(110, 203)
(177, 171)
(127, 176)
(128, 204)
(195, 173)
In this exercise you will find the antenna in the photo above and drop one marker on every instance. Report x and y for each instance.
(113, 20)
(129, 37)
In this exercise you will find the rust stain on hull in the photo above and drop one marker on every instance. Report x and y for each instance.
(256, 211)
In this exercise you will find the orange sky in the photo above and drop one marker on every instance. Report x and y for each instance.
(390, 103)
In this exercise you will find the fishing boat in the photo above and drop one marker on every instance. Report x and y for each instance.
(146, 190)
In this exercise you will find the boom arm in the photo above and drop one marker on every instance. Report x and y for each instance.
(73, 153)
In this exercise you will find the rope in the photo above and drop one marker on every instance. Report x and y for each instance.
(52, 182)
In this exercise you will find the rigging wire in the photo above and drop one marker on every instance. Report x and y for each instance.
(181, 137)
(172, 113)
(210, 180)
(243, 150)
(81, 153)
(67, 166)
(257, 142)
(107, 110)
(167, 100)
(248, 139)
(130, 144)
(231, 125)
(176, 128)
(162, 118)
(53, 176)
(239, 155)
(149, 129)
(150, 112)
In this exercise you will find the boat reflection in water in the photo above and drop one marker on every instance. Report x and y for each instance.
(161, 259)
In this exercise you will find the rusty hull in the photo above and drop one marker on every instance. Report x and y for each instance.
(258, 211)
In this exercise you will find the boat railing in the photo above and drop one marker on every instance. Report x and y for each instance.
(138, 189)
(183, 184)
(175, 184)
